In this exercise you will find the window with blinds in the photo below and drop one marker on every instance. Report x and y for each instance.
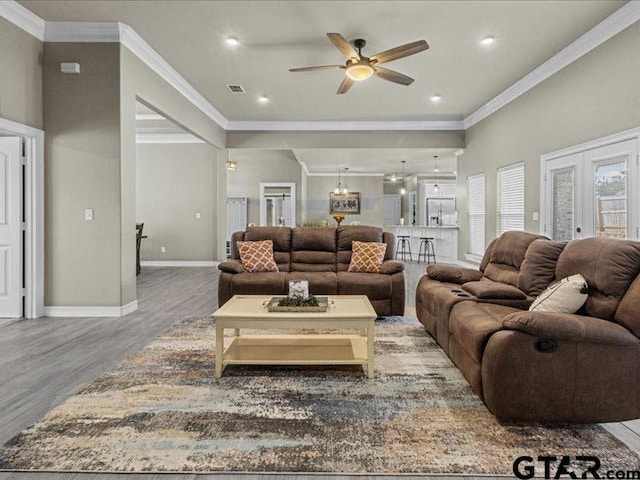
(510, 201)
(475, 187)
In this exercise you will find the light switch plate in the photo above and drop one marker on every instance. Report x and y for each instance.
(536, 215)
(197, 214)
(163, 249)
(88, 214)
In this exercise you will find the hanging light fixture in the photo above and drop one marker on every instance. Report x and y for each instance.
(344, 188)
(230, 164)
(403, 190)
(436, 187)
(339, 187)
(393, 178)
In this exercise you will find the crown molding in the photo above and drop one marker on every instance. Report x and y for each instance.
(345, 174)
(23, 18)
(82, 32)
(153, 60)
(345, 125)
(167, 138)
(149, 116)
(622, 18)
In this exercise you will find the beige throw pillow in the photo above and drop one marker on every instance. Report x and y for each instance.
(257, 256)
(565, 296)
(367, 257)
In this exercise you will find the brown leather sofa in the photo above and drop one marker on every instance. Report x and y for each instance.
(320, 255)
(539, 366)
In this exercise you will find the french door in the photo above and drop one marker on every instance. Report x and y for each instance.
(593, 193)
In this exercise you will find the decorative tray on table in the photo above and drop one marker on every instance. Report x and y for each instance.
(286, 304)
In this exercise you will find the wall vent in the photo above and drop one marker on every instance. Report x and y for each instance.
(235, 89)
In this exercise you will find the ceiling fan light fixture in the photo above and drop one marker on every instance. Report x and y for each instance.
(231, 165)
(359, 71)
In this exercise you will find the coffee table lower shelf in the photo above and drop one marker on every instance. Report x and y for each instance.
(297, 350)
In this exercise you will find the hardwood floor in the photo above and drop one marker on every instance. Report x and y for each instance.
(44, 361)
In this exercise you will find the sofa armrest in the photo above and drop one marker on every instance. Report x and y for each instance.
(391, 266)
(488, 289)
(569, 327)
(231, 266)
(453, 273)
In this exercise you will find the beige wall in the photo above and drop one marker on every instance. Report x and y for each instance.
(595, 96)
(370, 188)
(90, 151)
(255, 166)
(173, 183)
(139, 82)
(82, 151)
(21, 76)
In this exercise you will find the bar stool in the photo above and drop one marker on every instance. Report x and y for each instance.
(403, 247)
(426, 250)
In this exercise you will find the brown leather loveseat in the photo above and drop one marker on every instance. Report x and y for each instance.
(320, 255)
(541, 366)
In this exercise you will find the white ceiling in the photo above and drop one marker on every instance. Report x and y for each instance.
(276, 36)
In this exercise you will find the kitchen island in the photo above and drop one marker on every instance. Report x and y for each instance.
(445, 239)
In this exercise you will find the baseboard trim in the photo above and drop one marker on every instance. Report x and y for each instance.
(57, 311)
(179, 263)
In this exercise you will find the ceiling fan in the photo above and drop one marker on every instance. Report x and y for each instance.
(359, 67)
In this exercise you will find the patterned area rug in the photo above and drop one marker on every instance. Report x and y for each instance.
(163, 410)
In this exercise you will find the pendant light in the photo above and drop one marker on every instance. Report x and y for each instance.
(339, 187)
(435, 169)
(230, 164)
(403, 190)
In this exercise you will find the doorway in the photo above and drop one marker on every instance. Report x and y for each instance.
(592, 191)
(277, 204)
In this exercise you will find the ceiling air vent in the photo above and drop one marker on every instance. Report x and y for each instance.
(235, 88)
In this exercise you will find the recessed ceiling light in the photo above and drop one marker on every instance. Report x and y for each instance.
(436, 98)
(263, 99)
(486, 41)
(232, 41)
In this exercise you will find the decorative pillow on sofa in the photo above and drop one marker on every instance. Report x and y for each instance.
(564, 296)
(367, 257)
(257, 256)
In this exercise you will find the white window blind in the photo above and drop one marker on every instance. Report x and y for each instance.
(475, 187)
(510, 200)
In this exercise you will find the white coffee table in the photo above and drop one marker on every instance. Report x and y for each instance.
(346, 312)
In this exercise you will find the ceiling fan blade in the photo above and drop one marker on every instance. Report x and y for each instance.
(345, 85)
(344, 46)
(322, 67)
(400, 52)
(392, 76)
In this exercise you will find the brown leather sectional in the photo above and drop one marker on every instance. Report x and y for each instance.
(539, 366)
(320, 255)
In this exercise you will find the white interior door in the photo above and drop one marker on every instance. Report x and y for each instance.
(10, 227)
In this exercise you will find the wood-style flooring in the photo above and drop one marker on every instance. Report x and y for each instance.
(46, 360)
